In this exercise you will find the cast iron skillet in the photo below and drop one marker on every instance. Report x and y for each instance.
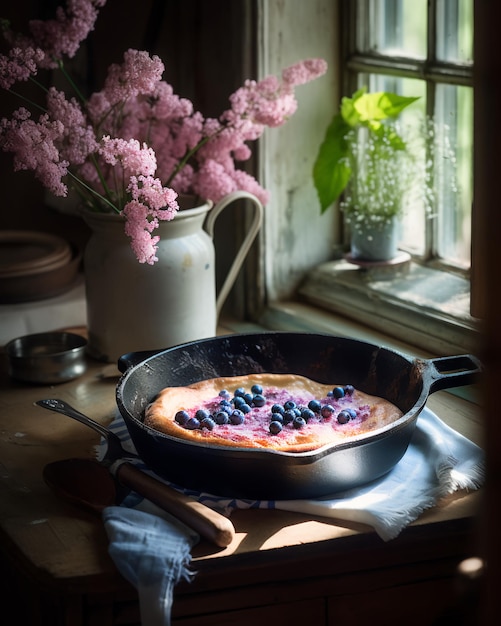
(266, 474)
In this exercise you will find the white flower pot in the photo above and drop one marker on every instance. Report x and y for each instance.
(375, 243)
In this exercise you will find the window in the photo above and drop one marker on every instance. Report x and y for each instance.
(419, 48)
(424, 49)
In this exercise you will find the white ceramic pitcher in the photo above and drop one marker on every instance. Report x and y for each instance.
(133, 306)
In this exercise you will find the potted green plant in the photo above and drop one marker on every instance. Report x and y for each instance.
(365, 156)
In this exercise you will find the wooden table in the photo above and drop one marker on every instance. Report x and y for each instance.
(282, 568)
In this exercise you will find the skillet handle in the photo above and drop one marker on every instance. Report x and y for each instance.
(454, 371)
(207, 522)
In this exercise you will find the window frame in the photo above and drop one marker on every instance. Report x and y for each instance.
(430, 69)
(302, 290)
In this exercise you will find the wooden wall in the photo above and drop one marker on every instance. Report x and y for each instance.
(487, 297)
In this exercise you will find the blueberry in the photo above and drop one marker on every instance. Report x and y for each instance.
(307, 414)
(289, 417)
(225, 403)
(245, 408)
(224, 393)
(275, 427)
(258, 400)
(352, 412)
(237, 417)
(349, 389)
(299, 422)
(239, 392)
(315, 406)
(277, 417)
(289, 404)
(181, 417)
(192, 424)
(343, 417)
(327, 411)
(256, 389)
(278, 408)
(208, 423)
(338, 392)
(221, 417)
(238, 401)
(201, 414)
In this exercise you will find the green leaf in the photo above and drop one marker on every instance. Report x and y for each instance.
(393, 104)
(349, 113)
(347, 109)
(331, 171)
(381, 105)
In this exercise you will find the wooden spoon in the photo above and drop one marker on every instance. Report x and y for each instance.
(207, 522)
(89, 483)
(83, 482)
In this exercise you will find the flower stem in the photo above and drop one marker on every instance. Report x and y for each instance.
(188, 156)
(25, 99)
(74, 86)
(94, 192)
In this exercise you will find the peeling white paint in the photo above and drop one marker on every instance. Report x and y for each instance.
(297, 237)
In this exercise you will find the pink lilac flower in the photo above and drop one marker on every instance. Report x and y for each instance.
(263, 103)
(134, 142)
(138, 228)
(33, 146)
(19, 65)
(139, 73)
(173, 140)
(133, 158)
(242, 152)
(49, 42)
(246, 182)
(63, 35)
(183, 180)
(127, 104)
(78, 140)
(150, 203)
(213, 181)
(165, 104)
(304, 72)
(270, 102)
(162, 200)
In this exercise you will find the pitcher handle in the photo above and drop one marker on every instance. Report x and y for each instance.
(257, 220)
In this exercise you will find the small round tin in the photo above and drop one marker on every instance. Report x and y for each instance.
(47, 358)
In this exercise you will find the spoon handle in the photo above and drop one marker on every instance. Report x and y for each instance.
(60, 406)
(207, 522)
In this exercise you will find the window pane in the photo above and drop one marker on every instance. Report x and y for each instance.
(398, 28)
(437, 222)
(413, 228)
(455, 30)
(454, 110)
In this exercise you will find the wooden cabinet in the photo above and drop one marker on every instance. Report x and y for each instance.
(349, 581)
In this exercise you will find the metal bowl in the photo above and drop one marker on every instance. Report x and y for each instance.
(47, 358)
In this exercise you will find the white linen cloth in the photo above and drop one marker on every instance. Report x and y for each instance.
(438, 462)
